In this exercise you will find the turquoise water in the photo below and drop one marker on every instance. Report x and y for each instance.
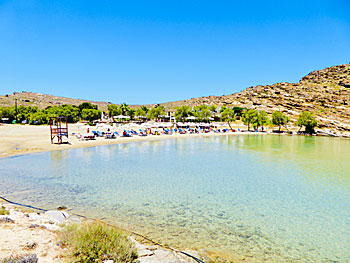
(253, 198)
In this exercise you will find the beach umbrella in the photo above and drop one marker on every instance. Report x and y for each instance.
(146, 125)
(121, 117)
(191, 118)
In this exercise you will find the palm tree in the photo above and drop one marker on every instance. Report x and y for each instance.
(144, 108)
(124, 108)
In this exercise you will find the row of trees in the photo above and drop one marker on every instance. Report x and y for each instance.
(143, 112)
(258, 119)
(204, 112)
(90, 112)
(34, 115)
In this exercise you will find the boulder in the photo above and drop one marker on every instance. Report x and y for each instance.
(58, 217)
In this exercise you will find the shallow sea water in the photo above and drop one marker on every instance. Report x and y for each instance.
(253, 198)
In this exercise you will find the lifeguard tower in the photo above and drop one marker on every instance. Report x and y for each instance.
(58, 128)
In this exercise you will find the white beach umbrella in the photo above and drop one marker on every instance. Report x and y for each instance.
(121, 117)
(146, 125)
(191, 118)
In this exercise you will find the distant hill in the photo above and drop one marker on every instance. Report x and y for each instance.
(43, 100)
(324, 92)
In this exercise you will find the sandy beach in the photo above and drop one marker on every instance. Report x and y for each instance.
(25, 139)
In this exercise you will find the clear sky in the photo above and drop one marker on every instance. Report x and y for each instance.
(149, 51)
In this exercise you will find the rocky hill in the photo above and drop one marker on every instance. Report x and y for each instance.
(43, 100)
(325, 92)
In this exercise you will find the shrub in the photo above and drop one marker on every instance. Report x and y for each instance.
(97, 242)
(3, 211)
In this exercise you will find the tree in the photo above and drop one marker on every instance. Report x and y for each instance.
(279, 119)
(124, 108)
(113, 110)
(223, 108)
(306, 119)
(131, 113)
(140, 112)
(249, 117)
(229, 116)
(261, 119)
(156, 111)
(238, 110)
(90, 114)
(145, 109)
(87, 105)
(71, 112)
(159, 106)
(201, 112)
(182, 113)
(38, 117)
(8, 112)
(212, 108)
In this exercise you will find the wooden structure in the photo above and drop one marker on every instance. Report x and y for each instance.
(58, 128)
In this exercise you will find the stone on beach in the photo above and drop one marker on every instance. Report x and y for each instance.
(6, 219)
(57, 217)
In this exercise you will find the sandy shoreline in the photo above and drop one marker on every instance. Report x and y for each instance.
(25, 139)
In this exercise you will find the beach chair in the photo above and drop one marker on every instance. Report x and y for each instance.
(87, 137)
(133, 132)
(126, 134)
(110, 135)
(116, 134)
(142, 133)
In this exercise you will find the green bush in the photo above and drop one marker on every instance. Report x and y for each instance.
(96, 242)
(3, 211)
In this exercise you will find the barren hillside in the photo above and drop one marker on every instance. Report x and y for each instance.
(324, 92)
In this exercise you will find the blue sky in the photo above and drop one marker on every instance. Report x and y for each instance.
(142, 52)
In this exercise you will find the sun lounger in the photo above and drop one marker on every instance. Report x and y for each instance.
(110, 135)
(142, 133)
(87, 137)
(133, 132)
